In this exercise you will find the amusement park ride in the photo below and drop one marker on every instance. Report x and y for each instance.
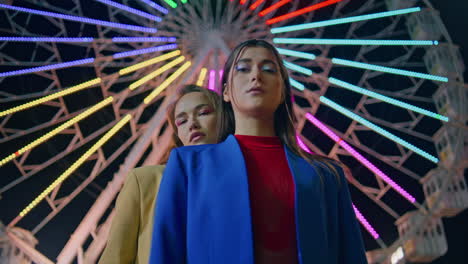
(84, 86)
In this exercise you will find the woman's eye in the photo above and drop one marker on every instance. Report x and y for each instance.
(205, 112)
(242, 68)
(271, 69)
(180, 122)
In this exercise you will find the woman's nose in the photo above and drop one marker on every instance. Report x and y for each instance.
(194, 124)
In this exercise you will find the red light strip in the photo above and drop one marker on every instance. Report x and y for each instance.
(242, 2)
(273, 7)
(256, 4)
(302, 11)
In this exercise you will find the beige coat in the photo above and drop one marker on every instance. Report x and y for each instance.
(132, 227)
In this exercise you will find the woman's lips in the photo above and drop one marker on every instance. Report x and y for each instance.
(196, 136)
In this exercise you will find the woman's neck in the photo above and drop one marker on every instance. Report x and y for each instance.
(255, 126)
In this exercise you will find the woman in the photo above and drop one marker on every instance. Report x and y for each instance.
(255, 197)
(192, 117)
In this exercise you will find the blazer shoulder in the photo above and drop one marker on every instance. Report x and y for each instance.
(147, 174)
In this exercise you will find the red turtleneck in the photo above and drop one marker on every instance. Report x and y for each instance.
(271, 190)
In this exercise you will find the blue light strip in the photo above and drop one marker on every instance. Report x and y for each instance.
(378, 129)
(387, 99)
(297, 68)
(296, 84)
(80, 19)
(143, 51)
(48, 67)
(130, 10)
(143, 39)
(389, 70)
(298, 54)
(45, 39)
(155, 6)
(370, 42)
(345, 20)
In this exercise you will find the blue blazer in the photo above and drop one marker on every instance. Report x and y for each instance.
(203, 211)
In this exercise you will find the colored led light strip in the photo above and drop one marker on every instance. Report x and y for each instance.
(388, 70)
(301, 144)
(301, 11)
(167, 82)
(51, 97)
(242, 2)
(144, 51)
(365, 223)
(155, 73)
(370, 42)
(387, 99)
(130, 10)
(378, 129)
(48, 67)
(273, 7)
(211, 81)
(76, 164)
(155, 6)
(45, 39)
(57, 130)
(360, 158)
(256, 4)
(80, 19)
(171, 3)
(296, 84)
(338, 21)
(143, 64)
(183, 1)
(202, 76)
(143, 39)
(298, 54)
(220, 74)
(297, 68)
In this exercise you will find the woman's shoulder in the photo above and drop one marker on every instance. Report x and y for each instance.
(147, 174)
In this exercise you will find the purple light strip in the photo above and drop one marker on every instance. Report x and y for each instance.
(130, 10)
(365, 223)
(360, 158)
(143, 51)
(80, 19)
(48, 67)
(143, 39)
(220, 75)
(155, 6)
(45, 39)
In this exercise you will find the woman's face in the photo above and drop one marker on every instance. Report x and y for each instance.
(195, 120)
(257, 84)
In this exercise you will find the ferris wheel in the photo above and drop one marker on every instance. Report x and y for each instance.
(84, 86)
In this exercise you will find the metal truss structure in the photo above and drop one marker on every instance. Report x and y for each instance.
(84, 84)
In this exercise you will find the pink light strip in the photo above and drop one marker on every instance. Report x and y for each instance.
(365, 223)
(302, 144)
(211, 82)
(220, 75)
(360, 158)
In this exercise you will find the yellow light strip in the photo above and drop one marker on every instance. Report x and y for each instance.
(51, 97)
(157, 72)
(77, 163)
(201, 77)
(149, 62)
(166, 82)
(57, 130)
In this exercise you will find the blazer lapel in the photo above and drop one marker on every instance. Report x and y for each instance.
(310, 217)
(231, 204)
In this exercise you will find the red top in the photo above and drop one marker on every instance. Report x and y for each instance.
(271, 190)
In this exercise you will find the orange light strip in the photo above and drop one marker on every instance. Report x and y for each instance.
(302, 11)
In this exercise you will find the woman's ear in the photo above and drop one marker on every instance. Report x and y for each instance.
(226, 96)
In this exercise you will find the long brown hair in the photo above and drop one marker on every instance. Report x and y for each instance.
(284, 118)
